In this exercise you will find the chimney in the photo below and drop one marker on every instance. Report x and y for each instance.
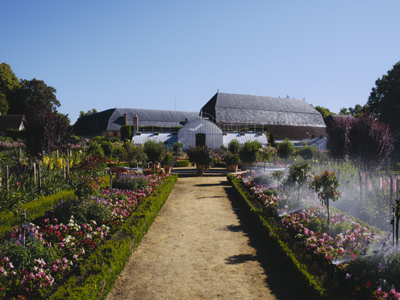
(135, 123)
(126, 119)
(186, 120)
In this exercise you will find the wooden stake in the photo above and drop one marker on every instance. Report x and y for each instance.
(34, 173)
(65, 174)
(7, 179)
(39, 179)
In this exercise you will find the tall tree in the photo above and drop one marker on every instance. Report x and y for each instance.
(35, 94)
(357, 111)
(370, 140)
(9, 86)
(384, 100)
(338, 142)
(363, 137)
(46, 129)
(344, 112)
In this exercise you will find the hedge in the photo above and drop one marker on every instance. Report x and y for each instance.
(96, 275)
(273, 233)
(182, 163)
(34, 209)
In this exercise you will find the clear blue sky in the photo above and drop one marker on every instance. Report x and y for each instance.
(153, 54)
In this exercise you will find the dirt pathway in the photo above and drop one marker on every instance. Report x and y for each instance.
(201, 247)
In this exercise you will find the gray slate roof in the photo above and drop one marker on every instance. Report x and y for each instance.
(249, 109)
(150, 117)
(113, 119)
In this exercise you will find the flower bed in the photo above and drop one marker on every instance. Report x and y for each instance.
(35, 262)
(354, 260)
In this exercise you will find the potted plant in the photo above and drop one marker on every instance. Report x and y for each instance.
(168, 161)
(249, 153)
(234, 162)
(202, 157)
(154, 151)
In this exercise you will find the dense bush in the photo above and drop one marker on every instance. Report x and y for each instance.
(362, 137)
(201, 155)
(182, 163)
(130, 182)
(234, 146)
(153, 150)
(249, 153)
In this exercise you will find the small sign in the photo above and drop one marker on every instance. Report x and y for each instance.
(25, 226)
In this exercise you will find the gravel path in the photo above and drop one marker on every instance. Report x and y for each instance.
(202, 246)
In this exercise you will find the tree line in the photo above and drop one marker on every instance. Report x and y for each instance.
(45, 127)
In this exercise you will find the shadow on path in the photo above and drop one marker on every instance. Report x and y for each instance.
(207, 184)
(281, 277)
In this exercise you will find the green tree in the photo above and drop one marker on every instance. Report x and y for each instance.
(325, 112)
(249, 152)
(126, 133)
(234, 146)
(326, 186)
(344, 112)
(9, 87)
(33, 94)
(88, 113)
(299, 175)
(384, 100)
(154, 151)
(285, 149)
(3, 104)
(357, 111)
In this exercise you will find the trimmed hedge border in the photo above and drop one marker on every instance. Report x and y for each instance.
(96, 275)
(272, 233)
(34, 209)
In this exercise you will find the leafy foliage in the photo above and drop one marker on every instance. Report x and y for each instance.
(325, 112)
(126, 132)
(46, 130)
(285, 149)
(338, 142)
(384, 98)
(234, 146)
(201, 155)
(361, 137)
(177, 147)
(249, 153)
(153, 150)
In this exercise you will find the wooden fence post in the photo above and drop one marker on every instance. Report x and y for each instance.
(7, 179)
(391, 194)
(39, 179)
(64, 172)
(67, 169)
(34, 173)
